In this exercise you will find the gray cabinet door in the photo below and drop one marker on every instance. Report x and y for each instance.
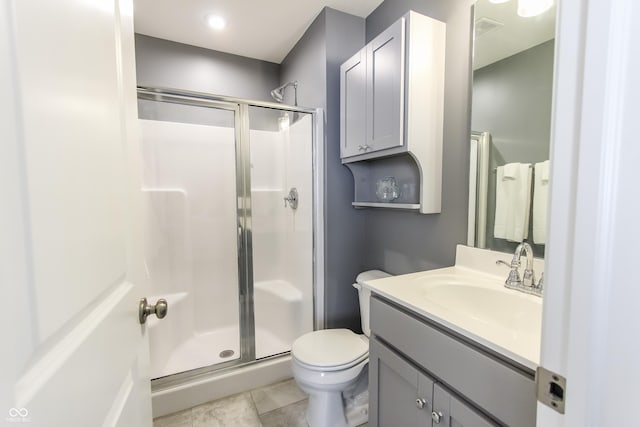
(353, 105)
(399, 394)
(449, 411)
(385, 88)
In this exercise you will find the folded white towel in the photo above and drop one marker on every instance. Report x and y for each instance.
(513, 202)
(544, 170)
(511, 171)
(540, 202)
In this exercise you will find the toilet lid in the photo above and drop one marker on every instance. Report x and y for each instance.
(329, 348)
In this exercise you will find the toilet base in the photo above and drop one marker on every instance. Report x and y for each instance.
(356, 409)
(325, 410)
(331, 410)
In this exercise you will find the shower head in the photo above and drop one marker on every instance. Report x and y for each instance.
(278, 93)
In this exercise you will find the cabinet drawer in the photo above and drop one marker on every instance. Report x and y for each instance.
(501, 390)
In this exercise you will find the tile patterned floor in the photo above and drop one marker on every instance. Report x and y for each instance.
(278, 405)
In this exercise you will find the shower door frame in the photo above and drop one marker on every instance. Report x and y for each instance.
(240, 107)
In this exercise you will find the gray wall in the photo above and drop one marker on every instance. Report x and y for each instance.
(512, 100)
(306, 64)
(402, 242)
(163, 63)
(345, 225)
(315, 63)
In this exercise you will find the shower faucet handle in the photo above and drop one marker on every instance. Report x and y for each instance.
(292, 198)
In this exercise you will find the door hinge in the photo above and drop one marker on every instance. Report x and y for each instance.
(551, 389)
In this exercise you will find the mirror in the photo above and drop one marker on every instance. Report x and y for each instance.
(511, 119)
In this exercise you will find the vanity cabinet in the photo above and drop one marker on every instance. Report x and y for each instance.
(474, 388)
(391, 106)
(407, 397)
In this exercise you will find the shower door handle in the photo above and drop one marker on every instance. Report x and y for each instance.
(160, 309)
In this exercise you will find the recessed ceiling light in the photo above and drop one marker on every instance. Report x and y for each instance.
(216, 22)
(529, 8)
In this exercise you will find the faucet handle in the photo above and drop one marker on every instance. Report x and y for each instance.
(514, 274)
(540, 284)
(529, 278)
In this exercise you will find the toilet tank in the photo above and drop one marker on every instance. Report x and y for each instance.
(364, 294)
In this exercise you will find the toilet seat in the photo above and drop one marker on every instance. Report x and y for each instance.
(332, 368)
(330, 349)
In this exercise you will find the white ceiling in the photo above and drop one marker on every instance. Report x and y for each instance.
(517, 33)
(268, 29)
(261, 29)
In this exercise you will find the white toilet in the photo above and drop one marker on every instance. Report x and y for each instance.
(331, 366)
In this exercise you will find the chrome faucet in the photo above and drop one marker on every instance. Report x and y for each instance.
(528, 282)
(529, 277)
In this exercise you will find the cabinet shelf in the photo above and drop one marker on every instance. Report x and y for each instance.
(407, 206)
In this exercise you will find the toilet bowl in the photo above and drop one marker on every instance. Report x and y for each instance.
(331, 366)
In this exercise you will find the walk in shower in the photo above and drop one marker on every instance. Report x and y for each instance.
(233, 201)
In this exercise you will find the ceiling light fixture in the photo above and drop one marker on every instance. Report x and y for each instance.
(498, 1)
(529, 8)
(216, 22)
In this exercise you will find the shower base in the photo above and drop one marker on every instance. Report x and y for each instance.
(202, 350)
(216, 385)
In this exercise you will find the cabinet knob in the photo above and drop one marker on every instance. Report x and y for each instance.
(421, 403)
(436, 417)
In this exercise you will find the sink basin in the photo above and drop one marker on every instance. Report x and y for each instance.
(474, 304)
(492, 304)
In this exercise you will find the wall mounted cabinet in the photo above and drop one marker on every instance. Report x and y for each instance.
(392, 96)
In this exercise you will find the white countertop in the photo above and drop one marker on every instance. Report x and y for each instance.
(473, 303)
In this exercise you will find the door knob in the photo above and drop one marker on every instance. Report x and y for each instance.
(160, 309)
(436, 417)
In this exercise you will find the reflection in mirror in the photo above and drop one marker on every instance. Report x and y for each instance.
(511, 118)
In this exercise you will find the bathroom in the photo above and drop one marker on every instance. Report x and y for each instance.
(354, 240)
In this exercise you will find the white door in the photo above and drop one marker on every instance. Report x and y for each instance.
(73, 352)
(591, 321)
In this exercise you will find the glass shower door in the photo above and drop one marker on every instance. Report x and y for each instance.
(190, 182)
(281, 175)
